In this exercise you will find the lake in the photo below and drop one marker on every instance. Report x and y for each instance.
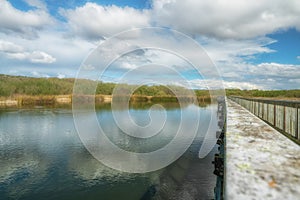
(42, 157)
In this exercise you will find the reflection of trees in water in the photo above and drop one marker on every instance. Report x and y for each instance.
(88, 168)
(20, 170)
(187, 178)
(93, 171)
(141, 105)
(30, 139)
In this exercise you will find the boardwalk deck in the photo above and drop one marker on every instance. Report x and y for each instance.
(261, 163)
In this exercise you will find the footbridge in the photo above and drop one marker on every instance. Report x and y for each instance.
(259, 151)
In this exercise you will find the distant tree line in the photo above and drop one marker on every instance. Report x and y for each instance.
(12, 85)
(20, 85)
(264, 93)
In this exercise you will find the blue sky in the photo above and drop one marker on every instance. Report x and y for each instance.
(54, 4)
(287, 48)
(254, 46)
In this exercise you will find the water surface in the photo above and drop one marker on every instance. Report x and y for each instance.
(42, 157)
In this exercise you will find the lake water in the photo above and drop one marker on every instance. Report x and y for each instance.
(42, 157)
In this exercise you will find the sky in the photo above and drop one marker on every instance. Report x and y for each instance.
(253, 44)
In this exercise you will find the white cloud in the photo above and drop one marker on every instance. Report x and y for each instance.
(14, 51)
(38, 74)
(25, 24)
(235, 50)
(33, 57)
(298, 57)
(94, 21)
(262, 76)
(61, 76)
(255, 76)
(233, 58)
(276, 70)
(68, 53)
(238, 19)
(241, 85)
(217, 84)
(18, 55)
(222, 19)
(88, 67)
(37, 4)
(41, 57)
(9, 47)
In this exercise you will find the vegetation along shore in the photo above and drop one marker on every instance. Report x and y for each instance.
(18, 91)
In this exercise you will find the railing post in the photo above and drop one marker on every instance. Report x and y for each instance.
(263, 110)
(297, 125)
(283, 125)
(275, 115)
(267, 112)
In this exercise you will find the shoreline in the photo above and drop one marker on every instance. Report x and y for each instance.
(20, 101)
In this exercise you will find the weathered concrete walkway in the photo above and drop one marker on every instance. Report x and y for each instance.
(261, 163)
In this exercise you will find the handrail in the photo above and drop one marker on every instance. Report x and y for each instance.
(283, 115)
(291, 103)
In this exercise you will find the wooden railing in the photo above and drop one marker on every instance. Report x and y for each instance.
(283, 115)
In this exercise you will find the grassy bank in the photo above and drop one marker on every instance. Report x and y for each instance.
(20, 85)
(28, 91)
(58, 100)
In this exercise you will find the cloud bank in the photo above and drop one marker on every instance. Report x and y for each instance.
(14, 51)
(106, 20)
(235, 19)
(24, 24)
(233, 34)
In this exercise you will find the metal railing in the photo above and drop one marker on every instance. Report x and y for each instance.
(283, 115)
